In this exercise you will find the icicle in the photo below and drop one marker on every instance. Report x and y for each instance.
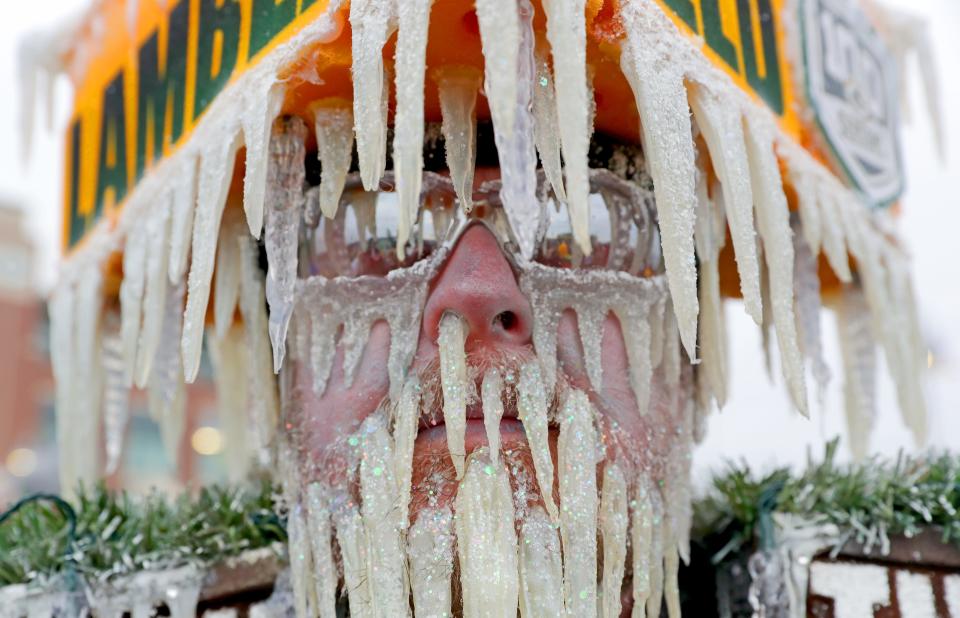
(834, 243)
(264, 404)
(285, 177)
(405, 434)
(656, 320)
(807, 291)
(546, 129)
(324, 568)
(486, 540)
(116, 405)
(808, 209)
(657, 83)
(722, 128)
(155, 296)
(613, 525)
(386, 568)
(259, 112)
(532, 411)
(453, 375)
(131, 296)
(356, 333)
(62, 351)
(216, 170)
(671, 587)
(858, 351)
(773, 223)
(457, 87)
(353, 551)
(490, 391)
(167, 399)
(301, 564)
(655, 600)
(79, 461)
(430, 550)
(228, 355)
(183, 202)
(590, 318)
(372, 22)
(566, 31)
(641, 536)
(710, 237)
(414, 20)
(333, 124)
(576, 461)
(507, 38)
(636, 338)
(671, 347)
(541, 573)
(226, 290)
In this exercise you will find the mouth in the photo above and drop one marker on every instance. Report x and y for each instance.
(433, 439)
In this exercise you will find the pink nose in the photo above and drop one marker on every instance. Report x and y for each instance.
(478, 283)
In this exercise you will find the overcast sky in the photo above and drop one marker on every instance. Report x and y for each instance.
(757, 423)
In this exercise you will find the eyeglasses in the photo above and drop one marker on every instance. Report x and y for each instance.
(361, 239)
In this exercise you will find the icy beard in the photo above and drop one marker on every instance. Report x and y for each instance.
(542, 497)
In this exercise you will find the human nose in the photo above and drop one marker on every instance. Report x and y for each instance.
(478, 283)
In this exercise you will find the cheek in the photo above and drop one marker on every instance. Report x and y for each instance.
(646, 438)
(340, 410)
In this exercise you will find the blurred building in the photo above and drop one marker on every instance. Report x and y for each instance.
(28, 453)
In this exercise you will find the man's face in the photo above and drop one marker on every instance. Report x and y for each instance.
(479, 283)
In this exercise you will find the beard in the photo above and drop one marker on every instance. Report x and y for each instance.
(483, 486)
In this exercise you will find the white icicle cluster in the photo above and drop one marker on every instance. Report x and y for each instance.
(185, 241)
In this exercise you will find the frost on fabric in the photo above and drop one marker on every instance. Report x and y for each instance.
(722, 128)
(486, 540)
(532, 411)
(261, 106)
(372, 23)
(541, 572)
(325, 574)
(455, 385)
(507, 40)
(216, 170)
(773, 223)
(592, 295)
(657, 83)
(430, 551)
(155, 292)
(566, 31)
(807, 292)
(333, 125)
(166, 395)
(613, 527)
(381, 522)
(546, 129)
(410, 66)
(285, 178)
(457, 88)
(577, 471)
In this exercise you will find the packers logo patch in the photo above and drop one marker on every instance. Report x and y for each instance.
(851, 85)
